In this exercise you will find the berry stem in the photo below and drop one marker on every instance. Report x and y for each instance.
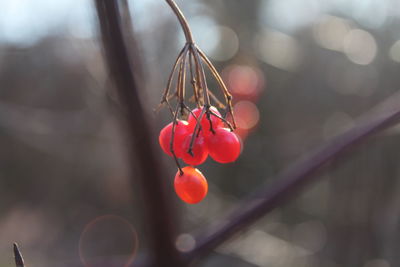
(193, 81)
(228, 96)
(182, 21)
(182, 79)
(191, 112)
(171, 144)
(165, 98)
(216, 100)
(222, 119)
(190, 151)
(201, 75)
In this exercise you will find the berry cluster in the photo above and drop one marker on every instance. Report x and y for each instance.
(192, 138)
(192, 141)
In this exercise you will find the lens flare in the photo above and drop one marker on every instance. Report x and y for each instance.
(108, 240)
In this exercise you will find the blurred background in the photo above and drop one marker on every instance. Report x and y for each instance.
(301, 72)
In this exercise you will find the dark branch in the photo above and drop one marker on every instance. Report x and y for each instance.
(19, 260)
(159, 215)
(289, 182)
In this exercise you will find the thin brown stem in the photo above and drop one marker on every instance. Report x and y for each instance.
(166, 101)
(192, 113)
(165, 96)
(201, 74)
(199, 80)
(222, 119)
(199, 87)
(178, 83)
(228, 96)
(171, 144)
(182, 80)
(213, 71)
(193, 80)
(198, 124)
(216, 100)
(182, 21)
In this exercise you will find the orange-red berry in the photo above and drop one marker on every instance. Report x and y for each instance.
(199, 150)
(182, 129)
(223, 146)
(191, 186)
(204, 122)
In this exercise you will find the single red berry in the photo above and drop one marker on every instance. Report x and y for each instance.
(199, 150)
(181, 131)
(191, 186)
(204, 122)
(223, 146)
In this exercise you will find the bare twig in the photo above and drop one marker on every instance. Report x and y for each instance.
(289, 182)
(19, 260)
(222, 86)
(171, 143)
(159, 213)
(182, 21)
(165, 96)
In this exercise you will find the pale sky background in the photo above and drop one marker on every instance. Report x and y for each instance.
(24, 22)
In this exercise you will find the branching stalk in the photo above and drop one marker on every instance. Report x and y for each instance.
(201, 93)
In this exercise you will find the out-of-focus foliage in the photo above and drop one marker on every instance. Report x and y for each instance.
(301, 72)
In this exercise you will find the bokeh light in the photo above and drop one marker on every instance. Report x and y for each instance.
(394, 51)
(325, 63)
(330, 31)
(279, 50)
(108, 240)
(217, 41)
(226, 42)
(206, 29)
(360, 47)
(185, 242)
(247, 114)
(243, 81)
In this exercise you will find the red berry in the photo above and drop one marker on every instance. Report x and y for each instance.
(191, 186)
(223, 146)
(199, 150)
(205, 123)
(181, 131)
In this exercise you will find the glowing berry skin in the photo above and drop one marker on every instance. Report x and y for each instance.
(199, 150)
(223, 146)
(181, 131)
(205, 123)
(191, 186)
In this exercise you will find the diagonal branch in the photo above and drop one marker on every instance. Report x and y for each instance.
(289, 183)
